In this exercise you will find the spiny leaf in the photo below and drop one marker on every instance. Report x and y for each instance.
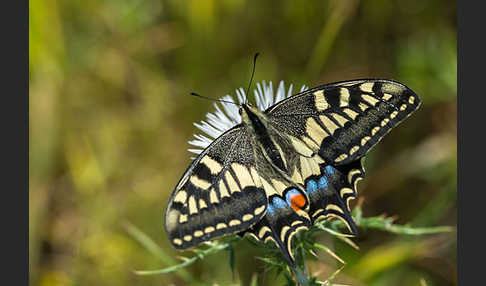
(331, 231)
(333, 275)
(200, 254)
(386, 224)
(329, 251)
(305, 243)
(153, 248)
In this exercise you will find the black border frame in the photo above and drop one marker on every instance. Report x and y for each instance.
(471, 63)
(15, 140)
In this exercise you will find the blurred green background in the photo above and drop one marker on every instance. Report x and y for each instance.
(110, 118)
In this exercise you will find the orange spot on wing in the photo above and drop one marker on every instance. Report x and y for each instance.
(297, 202)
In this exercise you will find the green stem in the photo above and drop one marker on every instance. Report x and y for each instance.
(386, 224)
(187, 261)
(301, 277)
(301, 274)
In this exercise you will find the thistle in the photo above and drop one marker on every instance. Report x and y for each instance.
(227, 116)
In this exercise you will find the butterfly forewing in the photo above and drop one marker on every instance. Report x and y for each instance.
(217, 195)
(342, 121)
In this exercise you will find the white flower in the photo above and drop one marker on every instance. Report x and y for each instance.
(225, 118)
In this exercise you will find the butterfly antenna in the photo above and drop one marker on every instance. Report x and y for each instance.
(214, 99)
(251, 78)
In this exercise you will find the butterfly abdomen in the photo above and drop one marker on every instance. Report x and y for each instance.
(256, 121)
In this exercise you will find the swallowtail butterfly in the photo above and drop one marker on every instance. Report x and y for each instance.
(281, 170)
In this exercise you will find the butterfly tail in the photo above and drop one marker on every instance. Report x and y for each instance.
(280, 225)
(331, 192)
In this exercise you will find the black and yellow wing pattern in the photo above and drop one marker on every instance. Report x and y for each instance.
(285, 168)
(217, 194)
(342, 121)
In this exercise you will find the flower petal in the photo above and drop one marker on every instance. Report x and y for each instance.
(228, 116)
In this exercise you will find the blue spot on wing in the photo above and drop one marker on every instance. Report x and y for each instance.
(279, 203)
(311, 186)
(290, 193)
(323, 183)
(328, 170)
(270, 209)
(276, 203)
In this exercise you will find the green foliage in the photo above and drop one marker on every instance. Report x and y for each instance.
(305, 246)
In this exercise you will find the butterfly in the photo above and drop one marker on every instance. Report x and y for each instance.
(283, 169)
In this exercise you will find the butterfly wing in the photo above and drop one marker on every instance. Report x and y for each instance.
(322, 133)
(331, 190)
(279, 225)
(217, 194)
(300, 192)
(342, 121)
(327, 192)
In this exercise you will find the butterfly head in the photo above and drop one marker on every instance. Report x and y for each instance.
(252, 116)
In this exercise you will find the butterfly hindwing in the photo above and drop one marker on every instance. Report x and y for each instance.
(280, 224)
(327, 193)
(217, 195)
(342, 121)
(331, 191)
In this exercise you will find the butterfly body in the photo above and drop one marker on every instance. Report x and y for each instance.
(282, 169)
